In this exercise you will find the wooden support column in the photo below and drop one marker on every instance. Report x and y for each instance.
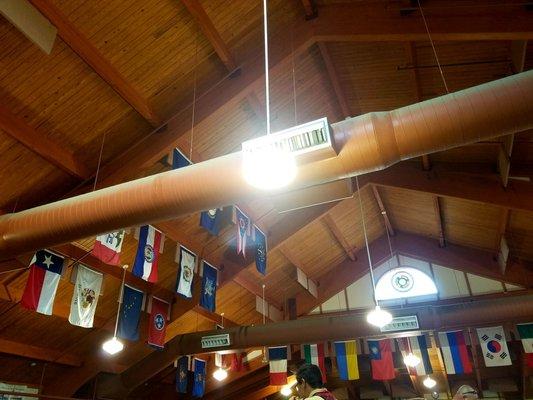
(439, 219)
(338, 236)
(475, 358)
(292, 312)
(381, 206)
(501, 241)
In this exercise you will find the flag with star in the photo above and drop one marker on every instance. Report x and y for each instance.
(130, 313)
(158, 323)
(199, 378)
(182, 374)
(147, 258)
(45, 271)
(260, 250)
(494, 346)
(243, 230)
(107, 247)
(209, 287)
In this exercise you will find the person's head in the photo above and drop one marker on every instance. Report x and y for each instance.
(308, 378)
(465, 392)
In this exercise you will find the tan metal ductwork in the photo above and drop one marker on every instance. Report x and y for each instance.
(317, 329)
(367, 143)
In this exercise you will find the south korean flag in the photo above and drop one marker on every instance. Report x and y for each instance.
(494, 346)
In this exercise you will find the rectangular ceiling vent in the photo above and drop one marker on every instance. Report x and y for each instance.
(310, 141)
(404, 323)
(216, 341)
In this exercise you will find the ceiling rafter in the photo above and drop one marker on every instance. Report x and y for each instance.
(83, 47)
(339, 237)
(381, 206)
(51, 151)
(39, 353)
(310, 8)
(439, 220)
(206, 25)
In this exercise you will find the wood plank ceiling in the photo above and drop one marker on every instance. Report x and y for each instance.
(122, 80)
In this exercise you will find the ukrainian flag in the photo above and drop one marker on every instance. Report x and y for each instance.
(346, 353)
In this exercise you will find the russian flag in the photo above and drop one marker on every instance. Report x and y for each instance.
(277, 357)
(416, 345)
(150, 245)
(41, 287)
(454, 352)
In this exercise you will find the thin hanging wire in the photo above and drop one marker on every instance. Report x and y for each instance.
(267, 78)
(433, 47)
(366, 240)
(294, 79)
(119, 302)
(264, 317)
(194, 92)
(99, 162)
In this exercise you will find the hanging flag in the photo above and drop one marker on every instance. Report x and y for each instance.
(277, 360)
(216, 219)
(243, 230)
(455, 353)
(45, 271)
(494, 346)
(199, 378)
(130, 313)
(314, 354)
(146, 260)
(107, 247)
(179, 160)
(416, 345)
(381, 359)
(158, 323)
(85, 297)
(347, 360)
(187, 262)
(182, 372)
(208, 296)
(237, 364)
(526, 335)
(260, 250)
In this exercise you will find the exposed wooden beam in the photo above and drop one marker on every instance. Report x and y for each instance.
(83, 47)
(475, 359)
(209, 30)
(338, 236)
(310, 9)
(504, 158)
(44, 147)
(518, 55)
(381, 206)
(501, 245)
(334, 79)
(39, 353)
(439, 219)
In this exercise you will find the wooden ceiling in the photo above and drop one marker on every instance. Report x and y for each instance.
(117, 92)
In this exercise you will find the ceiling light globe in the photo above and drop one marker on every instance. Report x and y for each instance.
(220, 374)
(429, 382)
(113, 346)
(411, 360)
(286, 391)
(379, 317)
(268, 168)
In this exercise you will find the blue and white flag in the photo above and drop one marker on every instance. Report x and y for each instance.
(130, 313)
(199, 378)
(243, 230)
(210, 220)
(187, 262)
(260, 250)
(182, 374)
(417, 346)
(179, 160)
(209, 287)
(494, 346)
(147, 258)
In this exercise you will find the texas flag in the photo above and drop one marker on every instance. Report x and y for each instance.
(45, 272)
(150, 245)
(381, 359)
(107, 247)
(454, 352)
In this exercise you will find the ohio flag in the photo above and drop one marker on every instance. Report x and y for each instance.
(146, 260)
(107, 247)
(41, 287)
(494, 346)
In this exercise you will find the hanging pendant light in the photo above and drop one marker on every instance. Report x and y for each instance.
(429, 382)
(220, 374)
(411, 360)
(379, 317)
(114, 345)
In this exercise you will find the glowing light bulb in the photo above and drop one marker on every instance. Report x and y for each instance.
(379, 317)
(268, 167)
(286, 391)
(220, 374)
(429, 382)
(411, 360)
(113, 346)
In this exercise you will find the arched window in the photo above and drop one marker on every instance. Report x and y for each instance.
(403, 282)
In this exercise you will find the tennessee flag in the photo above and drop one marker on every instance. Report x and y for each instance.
(150, 245)
(158, 323)
(381, 360)
(41, 287)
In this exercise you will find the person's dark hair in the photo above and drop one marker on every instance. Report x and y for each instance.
(311, 374)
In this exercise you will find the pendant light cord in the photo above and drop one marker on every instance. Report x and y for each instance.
(366, 240)
(267, 79)
(124, 269)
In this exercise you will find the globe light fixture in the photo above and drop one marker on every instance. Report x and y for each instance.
(429, 382)
(286, 391)
(411, 360)
(379, 317)
(220, 374)
(113, 346)
(268, 167)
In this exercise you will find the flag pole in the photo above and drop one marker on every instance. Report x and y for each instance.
(476, 361)
(119, 302)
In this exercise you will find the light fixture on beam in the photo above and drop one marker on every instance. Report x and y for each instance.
(113, 345)
(429, 382)
(411, 360)
(379, 317)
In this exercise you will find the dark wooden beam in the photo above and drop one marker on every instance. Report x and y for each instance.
(439, 218)
(338, 236)
(518, 55)
(310, 9)
(501, 241)
(209, 30)
(39, 353)
(44, 147)
(381, 206)
(334, 80)
(83, 47)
